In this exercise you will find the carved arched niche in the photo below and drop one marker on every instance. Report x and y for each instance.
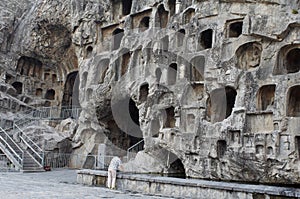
(161, 17)
(288, 60)
(117, 38)
(144, 23)
(293, 101)
(249, 55)
(265, 97)
(220, 104)
(188, 15)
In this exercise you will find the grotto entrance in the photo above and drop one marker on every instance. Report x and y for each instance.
(176, 169)
(122, 124)
(173, 164)
(70, 98)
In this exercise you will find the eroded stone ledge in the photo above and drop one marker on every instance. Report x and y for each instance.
(194, 188)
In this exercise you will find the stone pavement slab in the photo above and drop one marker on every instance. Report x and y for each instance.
(57, 184)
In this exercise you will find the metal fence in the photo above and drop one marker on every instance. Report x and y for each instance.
(76, 161)
(57, 112)
(63, 160)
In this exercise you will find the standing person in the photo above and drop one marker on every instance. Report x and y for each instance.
(114, 165)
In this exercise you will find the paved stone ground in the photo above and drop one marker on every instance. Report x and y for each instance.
(54, 184)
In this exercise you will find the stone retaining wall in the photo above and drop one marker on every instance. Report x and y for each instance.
(187, 188)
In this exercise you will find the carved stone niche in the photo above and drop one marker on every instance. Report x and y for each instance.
(288, 60)
(293, 101)
(142, 20)
(235, 137)
(188, 15)
(249, 55)
(161, 17)
(234, 28)
(121, 8)
(265, 97)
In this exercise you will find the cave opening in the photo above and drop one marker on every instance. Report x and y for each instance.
(221, 148)
(102, 69)
(125, 63)
(177, 169)
(54, 78)
(174, 165)
(39, 92)
(235, 29)
(124, 130)
(170, 117)
(165, 44)
(144, 91)
(161, 19)
(117, 38)
(29, 66)
(188, 15)
(172, 7)
(158, 74)
(206, 39)
(126, 7)
(46, 76)
(197, 69)
(230, 100)
(50, 94)
(145, 23)
(293, 104)
(89, 51)
(293, 60)
(180, 37)
(71, 91)
(265, 97)
(18, 86)
(172, 74)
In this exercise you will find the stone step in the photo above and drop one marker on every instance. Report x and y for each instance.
(32, 169)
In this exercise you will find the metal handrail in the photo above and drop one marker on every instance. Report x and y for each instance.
(28, 138)
(49, 113)
(39, 163)
(20, 160)
(136, 144)
(133, 147)
(23, 137)
(8, 136)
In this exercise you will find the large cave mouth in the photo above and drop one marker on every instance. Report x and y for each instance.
(122, 124)
(174, 166)
(176, 169)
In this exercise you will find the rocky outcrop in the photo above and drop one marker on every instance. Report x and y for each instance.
(210, 86)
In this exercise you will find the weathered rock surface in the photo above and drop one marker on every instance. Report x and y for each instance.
(211, 86)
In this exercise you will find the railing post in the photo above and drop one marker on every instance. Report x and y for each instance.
(22, 161)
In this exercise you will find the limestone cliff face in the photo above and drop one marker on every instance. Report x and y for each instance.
(211, 86)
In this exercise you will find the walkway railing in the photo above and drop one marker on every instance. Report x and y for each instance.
(77, 161)
(11, 148)
(131, 152)
(14, 130)
(36, 152)
(6, 164)
(56, 113)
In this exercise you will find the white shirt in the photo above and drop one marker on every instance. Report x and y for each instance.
(115, 163)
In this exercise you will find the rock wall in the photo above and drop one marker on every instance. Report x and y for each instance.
(211, 86)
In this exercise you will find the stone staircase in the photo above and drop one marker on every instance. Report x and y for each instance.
(30, 164)
(21, 151)
(25, 154)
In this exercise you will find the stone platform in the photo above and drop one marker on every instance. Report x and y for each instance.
(187, 188)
